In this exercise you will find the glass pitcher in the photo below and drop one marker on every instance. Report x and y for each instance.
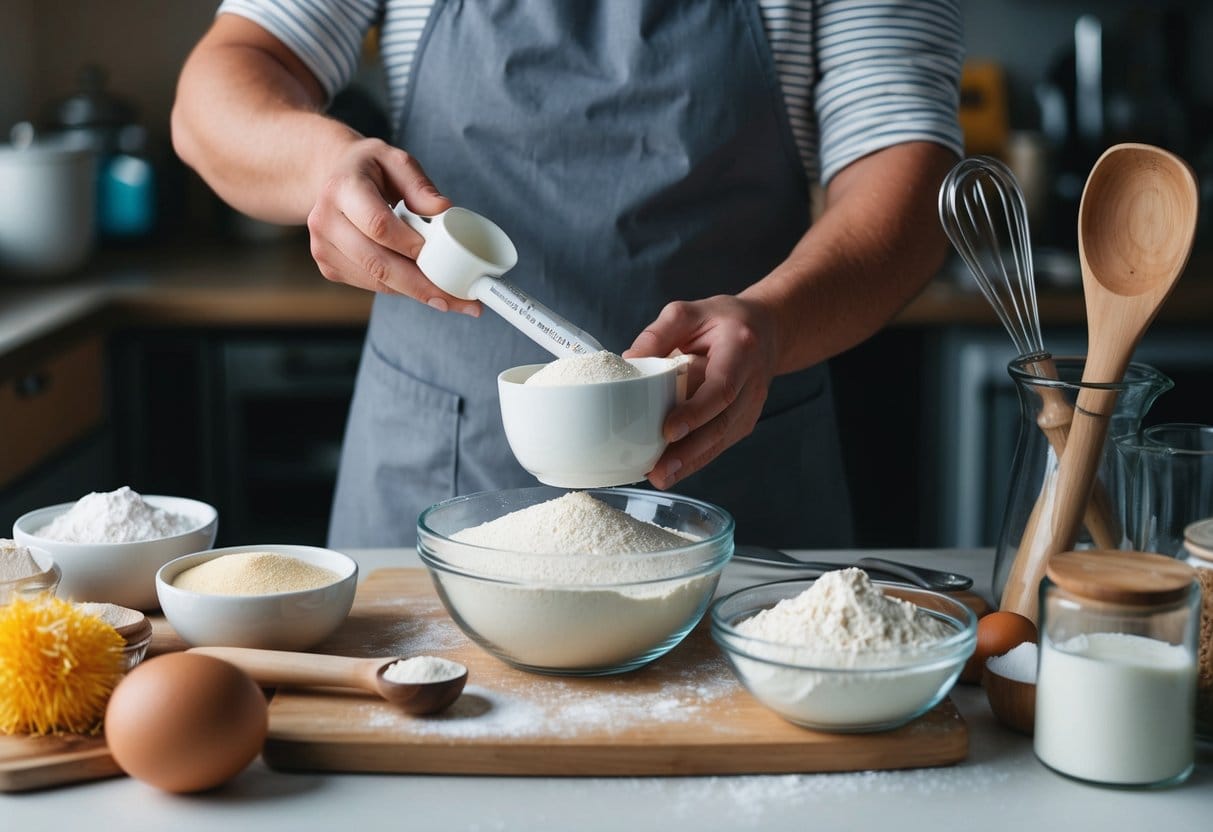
(1165, 483)
(1045, 403)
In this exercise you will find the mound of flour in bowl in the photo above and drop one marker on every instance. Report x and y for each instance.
(599, 544)
(120, 516)
(844, 611)
(844, 622)
(577, 584)
(575, 523)
(591, 368)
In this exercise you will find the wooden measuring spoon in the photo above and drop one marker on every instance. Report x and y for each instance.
(281, 667)
(1136, 224)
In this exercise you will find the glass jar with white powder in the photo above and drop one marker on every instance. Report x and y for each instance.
(1116, 685)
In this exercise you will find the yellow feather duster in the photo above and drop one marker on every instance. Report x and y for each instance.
(58, 665)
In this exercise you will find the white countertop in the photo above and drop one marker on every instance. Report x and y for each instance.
(1000, 786)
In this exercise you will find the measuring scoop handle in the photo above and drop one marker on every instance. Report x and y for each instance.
(415, 221)
(542, 325)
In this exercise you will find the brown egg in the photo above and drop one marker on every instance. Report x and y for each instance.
(184, 722)
(997, 634)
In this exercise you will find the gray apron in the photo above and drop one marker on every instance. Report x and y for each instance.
(636, 152)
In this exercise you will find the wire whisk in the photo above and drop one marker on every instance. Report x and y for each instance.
(983, 213)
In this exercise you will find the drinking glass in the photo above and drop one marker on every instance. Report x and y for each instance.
(1165, 483)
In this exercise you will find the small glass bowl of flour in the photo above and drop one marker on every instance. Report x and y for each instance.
(575, 583)
(109, 544)
(25, 572)
(842, 653)
(590, 421)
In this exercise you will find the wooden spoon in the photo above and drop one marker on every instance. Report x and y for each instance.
(280, 667)
(1136, 224)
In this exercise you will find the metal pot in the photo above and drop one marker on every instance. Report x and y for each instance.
(47, 204)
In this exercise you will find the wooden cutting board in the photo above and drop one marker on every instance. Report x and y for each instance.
(28, 763)
(683, 715)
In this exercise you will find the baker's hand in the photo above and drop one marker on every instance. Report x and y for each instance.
(732, 345)
(356, 239)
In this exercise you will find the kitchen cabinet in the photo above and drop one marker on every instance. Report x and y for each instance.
(56, 437)
(230, 369)
(929, 418)
(248, 420)
(48, 403)
(973, 421)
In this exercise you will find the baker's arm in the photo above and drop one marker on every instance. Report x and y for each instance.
(249, 118)
(876, 245)
(874, 248)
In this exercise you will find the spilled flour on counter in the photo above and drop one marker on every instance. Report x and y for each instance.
(409, 627)
(757, 801)
(563, 707)
(591, 368)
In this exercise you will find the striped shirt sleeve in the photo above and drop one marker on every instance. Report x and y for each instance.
(889, 73)
(326, 37)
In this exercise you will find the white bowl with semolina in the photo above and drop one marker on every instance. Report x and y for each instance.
(274, 597)
(577, 433)
(122, 573)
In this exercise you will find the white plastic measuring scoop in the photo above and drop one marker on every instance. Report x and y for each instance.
(465, 254)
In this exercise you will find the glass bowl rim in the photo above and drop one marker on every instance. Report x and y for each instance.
(722, 540)
(1144, 439)
(1144, 373)
(953, 648)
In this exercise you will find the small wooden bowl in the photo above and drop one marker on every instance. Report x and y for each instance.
(1013, 702)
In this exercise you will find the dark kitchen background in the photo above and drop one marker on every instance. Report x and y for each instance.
(246, 409)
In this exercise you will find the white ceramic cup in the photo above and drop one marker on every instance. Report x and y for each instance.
(461, 247)
(590, 435)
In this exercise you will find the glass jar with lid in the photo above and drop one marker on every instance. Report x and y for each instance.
(1116, 684)
(1198, 547)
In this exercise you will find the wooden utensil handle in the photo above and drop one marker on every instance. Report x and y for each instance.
(1054, 420)
(1053, 525)
(280, 667)
(1019, 592)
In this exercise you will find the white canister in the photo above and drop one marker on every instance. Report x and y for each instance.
(1116, 681)
(47, 207)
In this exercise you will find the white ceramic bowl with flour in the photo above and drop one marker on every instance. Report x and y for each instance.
(272, 621)
(590, 435)
(122, 573)
(844, 691)
(576, 613)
